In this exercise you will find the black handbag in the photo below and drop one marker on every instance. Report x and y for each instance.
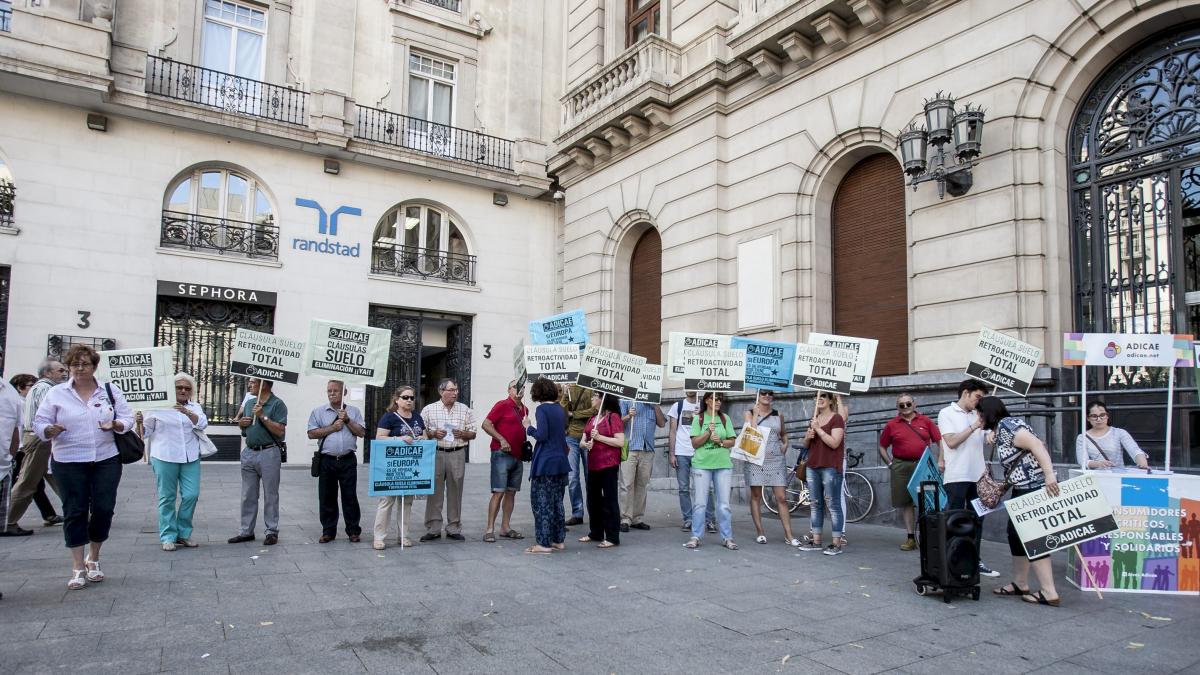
(527, 452)
(130, 447)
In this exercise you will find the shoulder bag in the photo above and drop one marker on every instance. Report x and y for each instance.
(130, 446)
(1100, 449)
(990, 490)
(526, 447)
(279, 443)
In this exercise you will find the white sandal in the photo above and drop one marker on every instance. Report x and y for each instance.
(77, 581)
(761, 539)
(93, 570)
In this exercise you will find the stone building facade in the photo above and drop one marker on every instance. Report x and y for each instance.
(176, 170)
(751, 145)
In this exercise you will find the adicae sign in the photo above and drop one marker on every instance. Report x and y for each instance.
(348, 352)
(679, 345)
(555, 362)
(824, 368)
(143, 375)
(266, 356)
(864, 362)
(722, 370)
(609, 371)
(1045, 523)
(1004, 361)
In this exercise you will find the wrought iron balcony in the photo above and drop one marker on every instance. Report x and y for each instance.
(451, 5)
(220, 235)
(431, 138)
(225, 92)
(426, 263)
(8, 195)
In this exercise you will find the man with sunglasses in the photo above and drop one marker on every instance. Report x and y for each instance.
(908, 434)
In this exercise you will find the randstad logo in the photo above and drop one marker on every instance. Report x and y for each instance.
(1112, 350)
(327, 224)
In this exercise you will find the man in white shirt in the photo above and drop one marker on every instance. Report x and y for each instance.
(680, 453)
(961, 461)
(10, 441)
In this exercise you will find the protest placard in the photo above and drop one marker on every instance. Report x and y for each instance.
(824, 368)
(650, 389)
(722, 370)
(769, 364)
(679, 344)
(347, 352)
(865, 349)
(1079, 513)
(560, 329)
(145, 376)
(401, 468)
(1004, 361)
(520, 374)
(266, 356)
(555, 362)
(609, 371)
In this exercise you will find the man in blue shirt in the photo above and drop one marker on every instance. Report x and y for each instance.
(641, 420)
(264, 426)
(337, 428)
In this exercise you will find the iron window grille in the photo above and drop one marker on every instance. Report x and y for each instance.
(57, 346)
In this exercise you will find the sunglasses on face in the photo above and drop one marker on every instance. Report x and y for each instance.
(768, 394)
(904, 405)
(407, 398)
(824, 396)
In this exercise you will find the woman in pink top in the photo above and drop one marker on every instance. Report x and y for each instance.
(80, 420)
(603, 437)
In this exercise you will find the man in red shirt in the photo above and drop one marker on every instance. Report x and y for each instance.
(907, 434)
(504, 425)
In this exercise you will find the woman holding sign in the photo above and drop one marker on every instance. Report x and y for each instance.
(602, 439)
(175, 454)
(773, 473)
(826, 441)
(1027, 468)
(712, 437)
(400, 421)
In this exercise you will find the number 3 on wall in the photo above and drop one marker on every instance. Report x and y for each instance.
(84, 319)
(487, 351)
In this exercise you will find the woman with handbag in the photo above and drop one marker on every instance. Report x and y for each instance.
(1027, 468)
(773, 473)
(603, 438)
(712, 437)
(549, 470)
(82, 419)
(176, 441)
(400, 421)
(1104, 446)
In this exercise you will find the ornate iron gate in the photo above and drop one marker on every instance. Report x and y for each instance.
(201, 334)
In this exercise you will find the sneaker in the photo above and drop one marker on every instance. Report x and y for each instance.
(986, 571)
(168, 546)
(807, 544)
(909, 544)
(686, 527)
(712, 528)
(832, 549)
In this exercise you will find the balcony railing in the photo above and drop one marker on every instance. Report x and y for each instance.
(431, 138)
(651, 60)
(451, 5)
(223, 91)
(8, 197)
(426, 263)
(220, 235)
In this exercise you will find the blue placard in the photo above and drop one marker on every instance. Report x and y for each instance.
(401, 468)
(568, 328)
(769, 365)
(927, 471)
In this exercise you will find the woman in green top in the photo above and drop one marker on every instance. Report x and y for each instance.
(712, 437)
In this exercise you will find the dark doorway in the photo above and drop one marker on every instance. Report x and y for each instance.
(645, 297)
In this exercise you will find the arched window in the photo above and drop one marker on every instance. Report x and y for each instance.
(1135, 206)
(422, 240)
(220, 210)
(870, 260)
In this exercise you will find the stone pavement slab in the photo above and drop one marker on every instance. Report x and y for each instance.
(446, 607)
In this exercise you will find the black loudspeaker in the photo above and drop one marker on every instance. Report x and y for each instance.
(948, 547)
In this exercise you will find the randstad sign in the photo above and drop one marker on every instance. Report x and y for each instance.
(327, 224)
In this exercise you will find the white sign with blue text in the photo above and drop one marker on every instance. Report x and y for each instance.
(768, 364)
(560, 329)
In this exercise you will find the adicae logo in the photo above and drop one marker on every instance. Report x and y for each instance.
(1112, 350)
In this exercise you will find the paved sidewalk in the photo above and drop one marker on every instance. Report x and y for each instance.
(446, 607)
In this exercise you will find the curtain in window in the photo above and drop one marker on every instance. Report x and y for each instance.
(441, 103)
(215, 46)
(418, 97)
(249, 55)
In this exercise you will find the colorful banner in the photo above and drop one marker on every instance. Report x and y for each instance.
(768, 364)
(650, 389)
(1127, 349)
(266, 356)
(1004, 361)
(560, 329)
(347, 352)
(557, 363)
(824, 368)
(722, 370)
(1045, 524)
(864, 347)
(400, 468)
(145, 376)
(1157, 549)
(679, 344)
(609, 371)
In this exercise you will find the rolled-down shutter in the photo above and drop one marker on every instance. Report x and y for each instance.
(645, 297)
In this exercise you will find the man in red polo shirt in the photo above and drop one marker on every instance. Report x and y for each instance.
(907, 434)
(504, 425)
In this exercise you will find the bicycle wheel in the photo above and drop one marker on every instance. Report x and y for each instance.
(796, 492)
(860, 496)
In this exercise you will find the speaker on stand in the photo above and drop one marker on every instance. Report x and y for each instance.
(949, 557)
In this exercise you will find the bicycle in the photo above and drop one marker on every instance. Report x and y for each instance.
(860, 495)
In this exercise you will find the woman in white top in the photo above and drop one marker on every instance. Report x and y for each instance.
(81, 420)
(172, 435)
(1103, 446)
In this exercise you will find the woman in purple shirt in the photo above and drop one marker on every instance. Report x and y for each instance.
(80, 419)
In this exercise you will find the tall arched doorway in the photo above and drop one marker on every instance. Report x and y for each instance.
(870, 260)
(645, 297)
